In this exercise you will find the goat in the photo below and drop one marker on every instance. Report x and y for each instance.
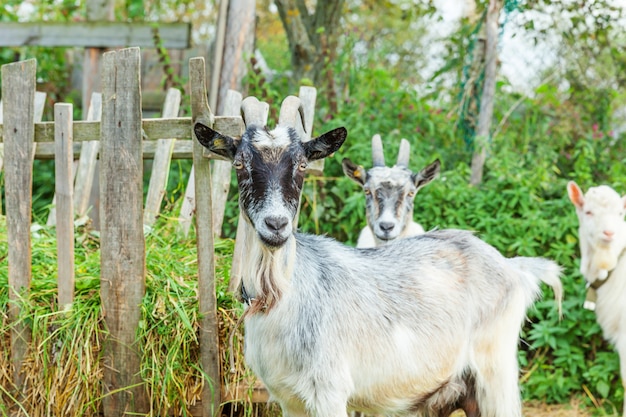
(389, 194)
(601, 229)
(602, 238)
(423, 325)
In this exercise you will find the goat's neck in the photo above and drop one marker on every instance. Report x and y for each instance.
(266, 271)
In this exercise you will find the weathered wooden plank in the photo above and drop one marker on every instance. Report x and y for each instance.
(87, 162)
(40, 102)
(122, 276)
(209, 340)
(188, 207)
(254, 112)
(183, 149)
(94, 34)
(161, 164)
(64, 188)
(153, 129)
(222, 169)
(18, 93)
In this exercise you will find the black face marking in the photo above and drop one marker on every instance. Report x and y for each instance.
(270, 168)
(267, 170)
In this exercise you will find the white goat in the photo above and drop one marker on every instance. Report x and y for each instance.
(602, 236)
(389, 194)
(423, 325)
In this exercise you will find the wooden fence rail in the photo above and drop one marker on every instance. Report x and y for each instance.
(120, 138)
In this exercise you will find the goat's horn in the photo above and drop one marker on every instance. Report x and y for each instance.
(254, 112)
(292, 114)
(404, 153)
(378, 157)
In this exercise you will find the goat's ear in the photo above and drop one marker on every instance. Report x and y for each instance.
(353, 171)
(427, 174)
(575, 194)
(324, 145)
(215, 142)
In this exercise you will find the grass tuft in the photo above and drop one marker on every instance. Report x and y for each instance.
(63, 367)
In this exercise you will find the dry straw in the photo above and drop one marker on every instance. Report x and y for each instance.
(63, 367)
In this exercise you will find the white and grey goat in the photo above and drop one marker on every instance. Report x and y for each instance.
(423, 325)
(389, 194)
(602, 239)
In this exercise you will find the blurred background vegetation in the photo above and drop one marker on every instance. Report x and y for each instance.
(381, 69)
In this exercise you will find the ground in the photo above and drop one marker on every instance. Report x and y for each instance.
(547, 410)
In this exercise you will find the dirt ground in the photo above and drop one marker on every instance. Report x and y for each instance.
(547, 410)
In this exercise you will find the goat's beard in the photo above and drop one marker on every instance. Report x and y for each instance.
(604, 258)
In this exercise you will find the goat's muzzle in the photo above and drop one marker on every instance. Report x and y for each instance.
(275, 231)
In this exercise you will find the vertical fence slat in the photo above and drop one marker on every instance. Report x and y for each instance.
(40, 102)
(222, 169)
(18, 93)
(188, 206)
(161, 162)
(64, 188)
(87, 162)
(122, 276)
(209, 340)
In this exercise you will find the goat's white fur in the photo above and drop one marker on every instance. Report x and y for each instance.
(601, 228)
(602, 238)
(390, 193)
(416, 326)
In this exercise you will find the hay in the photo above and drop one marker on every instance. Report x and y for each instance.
(63, 367)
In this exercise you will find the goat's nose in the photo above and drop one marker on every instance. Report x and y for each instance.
(276, 224)
(608, 233)
(386, 226)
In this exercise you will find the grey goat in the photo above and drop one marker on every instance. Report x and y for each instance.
(389, 194)
(423, 325)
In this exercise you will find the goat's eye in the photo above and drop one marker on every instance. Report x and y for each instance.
(302, 166)
(411, 194)
(367, 191)
(589, 213)
(237, 164)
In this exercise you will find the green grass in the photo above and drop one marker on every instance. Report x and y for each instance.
(63, 367)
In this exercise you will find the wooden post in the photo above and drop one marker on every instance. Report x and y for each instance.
(209, 340)
(161, 163)
(122, 276)
(64, 188)
(18, 93)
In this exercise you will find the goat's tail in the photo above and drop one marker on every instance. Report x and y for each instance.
(545, 270)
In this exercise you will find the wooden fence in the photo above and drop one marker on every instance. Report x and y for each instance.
(124, 139)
